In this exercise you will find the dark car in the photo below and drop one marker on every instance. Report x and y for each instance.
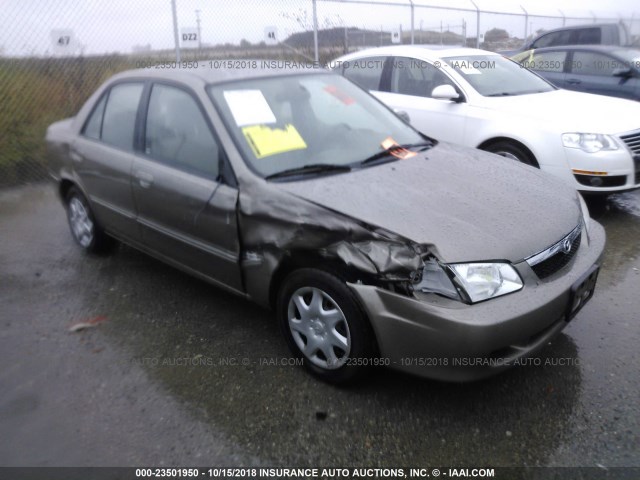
(592, 34)
(613, 71)
(296, 189)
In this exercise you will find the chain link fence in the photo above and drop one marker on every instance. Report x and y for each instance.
(53, 55)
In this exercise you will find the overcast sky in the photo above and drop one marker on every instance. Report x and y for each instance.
(103, 26)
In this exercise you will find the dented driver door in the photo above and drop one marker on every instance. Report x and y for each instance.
(189, 219)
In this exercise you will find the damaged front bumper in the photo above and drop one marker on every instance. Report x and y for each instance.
(448, 340)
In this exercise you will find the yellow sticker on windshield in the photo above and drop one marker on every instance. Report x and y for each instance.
(266, 141)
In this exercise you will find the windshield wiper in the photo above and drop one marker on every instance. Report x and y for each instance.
(389, 151)
(502, 94)
(309, 169)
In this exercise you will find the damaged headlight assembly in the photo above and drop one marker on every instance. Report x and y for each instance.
(468, 282)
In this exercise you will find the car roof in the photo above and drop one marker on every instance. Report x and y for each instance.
(578, 27)
(220, 71)
(595, 48)
(431, 52)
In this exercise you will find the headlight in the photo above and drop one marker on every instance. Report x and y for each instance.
(482, 281)
(475, 281)
(589, 142)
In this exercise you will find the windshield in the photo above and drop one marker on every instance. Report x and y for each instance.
(494, 75)
(289, 122)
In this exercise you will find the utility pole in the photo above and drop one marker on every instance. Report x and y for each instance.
(175, 30)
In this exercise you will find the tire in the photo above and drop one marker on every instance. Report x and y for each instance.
(513, 151)
(333, 335)
(84, 228)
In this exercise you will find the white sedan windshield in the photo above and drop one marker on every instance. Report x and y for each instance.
(496, 76)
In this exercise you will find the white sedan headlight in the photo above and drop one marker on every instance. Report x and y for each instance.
(482, 281)
(589, 142)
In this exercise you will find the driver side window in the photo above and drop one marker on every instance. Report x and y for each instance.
(553, 39)
(177, 134)
(410, 76)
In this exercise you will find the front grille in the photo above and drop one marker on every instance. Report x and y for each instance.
(551, 265)
(554, 258)
(632, 140)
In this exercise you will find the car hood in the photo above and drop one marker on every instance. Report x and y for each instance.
(572, 111)
(470, 205)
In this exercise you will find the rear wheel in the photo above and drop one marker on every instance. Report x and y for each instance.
(85, 230)
(325, 326)
(512, 151)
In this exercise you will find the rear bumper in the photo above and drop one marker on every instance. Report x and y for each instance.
(449, 340)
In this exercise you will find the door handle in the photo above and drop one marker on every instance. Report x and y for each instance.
(144, 179)
(574, 81)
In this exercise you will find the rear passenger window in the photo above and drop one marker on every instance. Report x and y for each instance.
(366, 72)
(178, 134)
(94, 124)
(120, 115)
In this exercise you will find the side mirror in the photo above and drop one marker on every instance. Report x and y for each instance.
(623, 72)
(402, 115)
(445, 92)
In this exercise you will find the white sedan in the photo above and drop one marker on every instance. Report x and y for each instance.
(482, 99)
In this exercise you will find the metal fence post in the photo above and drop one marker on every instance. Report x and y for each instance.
(477, 24)
(413, 11)
(526, 23)
(564, 19)
(316, 55)
(175, 30)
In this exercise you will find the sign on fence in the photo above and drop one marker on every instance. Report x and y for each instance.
(271, 35)
(63, 41)
(189, 37)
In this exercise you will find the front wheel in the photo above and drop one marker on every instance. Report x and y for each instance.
(325, 326)
(513, 151)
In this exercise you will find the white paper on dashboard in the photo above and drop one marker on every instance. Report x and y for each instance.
(249, 107)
